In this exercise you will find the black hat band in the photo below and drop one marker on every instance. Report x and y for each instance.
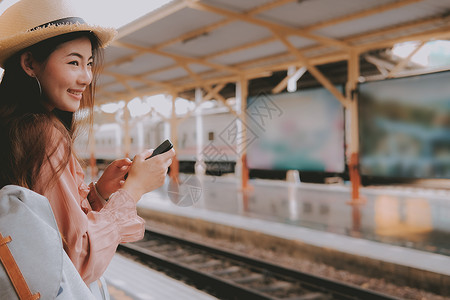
(64, 21)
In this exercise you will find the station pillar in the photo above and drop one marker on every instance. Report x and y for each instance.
(352, 95)
(200, 164)
(241, 169)
(175, 166)
(353, 147)
(126, 130)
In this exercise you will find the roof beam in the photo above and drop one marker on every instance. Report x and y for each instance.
(283, 83)
(441, 33)
(240, 48)
(349, 40)
(194, 33)
(221, 79)
(268, 6)
(146, 91)
(209, 28)
(214, 91)
(176, 57)
(362, 14)
(250, 69)
(145, 22)
(122, 60)
(384, 67)
(401, 65)
(136, 78)
(314, 71)
(336, 56)
(269, 25)
(397, 29)
(152, 18)
(353, 39)
(263, 71)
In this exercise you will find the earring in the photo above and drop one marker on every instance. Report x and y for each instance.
(39, 85)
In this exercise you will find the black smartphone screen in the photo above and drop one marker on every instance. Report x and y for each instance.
(164, 147)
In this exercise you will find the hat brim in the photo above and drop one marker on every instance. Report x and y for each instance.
(12, 44)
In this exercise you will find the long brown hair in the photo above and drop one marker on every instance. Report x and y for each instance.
(27, 128)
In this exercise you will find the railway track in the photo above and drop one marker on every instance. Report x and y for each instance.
(230, 275)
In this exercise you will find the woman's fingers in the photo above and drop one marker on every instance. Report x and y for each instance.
(120, 163)
(169, 162)
(148, 175)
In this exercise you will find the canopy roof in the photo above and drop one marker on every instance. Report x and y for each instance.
(209, 43)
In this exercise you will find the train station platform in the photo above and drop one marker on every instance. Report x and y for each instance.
(394, 233)
(129, 280)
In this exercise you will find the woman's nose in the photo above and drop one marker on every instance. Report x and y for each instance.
(85, 76)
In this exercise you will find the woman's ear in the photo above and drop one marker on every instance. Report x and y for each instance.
(26, 62)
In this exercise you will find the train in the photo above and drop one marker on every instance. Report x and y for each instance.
(403, 133)
(288, 131)
(149, 133)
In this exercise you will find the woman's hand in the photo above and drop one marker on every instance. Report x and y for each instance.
(112, 178)
(147, 175)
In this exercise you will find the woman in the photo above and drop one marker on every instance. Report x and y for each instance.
(51, 59)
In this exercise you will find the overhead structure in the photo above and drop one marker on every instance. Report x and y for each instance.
(188, 44)
(206, 44)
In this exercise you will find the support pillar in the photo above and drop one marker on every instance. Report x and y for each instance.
(175, 167)
(242, 171)
(352, 95)
(140, 136)
(200, 165)
(353, 159)
(126, 129)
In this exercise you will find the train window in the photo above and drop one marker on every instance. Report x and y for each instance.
(211, 136)
(307, 207)
(324, 209)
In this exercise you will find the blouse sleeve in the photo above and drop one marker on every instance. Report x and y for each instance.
(91, 236)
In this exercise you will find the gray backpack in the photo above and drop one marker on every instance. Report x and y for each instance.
(29, 233)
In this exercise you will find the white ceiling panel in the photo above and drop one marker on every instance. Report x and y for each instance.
(113, 53)
(237, 5)
(410, 13)
(105, 79)
(308, 12)
(198, 68)
(114, 88)
(168, 74)
(251, 54)
(180, 22)
(300, 42)
(226, 37)
(136, 84)
(142, 64)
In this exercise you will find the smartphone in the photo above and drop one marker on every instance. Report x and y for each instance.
(164, 147)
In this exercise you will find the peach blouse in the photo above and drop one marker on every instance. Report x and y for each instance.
(91, 228)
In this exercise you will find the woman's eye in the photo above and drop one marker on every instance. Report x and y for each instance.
(75, 63)
(90, 64)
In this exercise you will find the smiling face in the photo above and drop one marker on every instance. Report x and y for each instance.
(66, 74)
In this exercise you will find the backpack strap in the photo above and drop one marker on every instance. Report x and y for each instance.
(13, 271)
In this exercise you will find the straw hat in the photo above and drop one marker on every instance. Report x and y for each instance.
(28, 22)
